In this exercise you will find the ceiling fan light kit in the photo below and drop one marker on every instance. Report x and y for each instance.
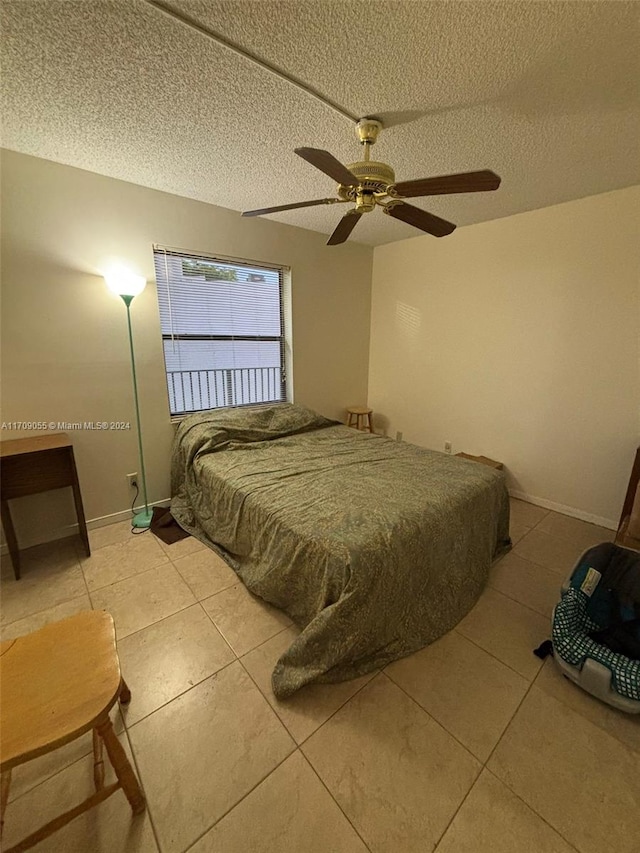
(368, 184)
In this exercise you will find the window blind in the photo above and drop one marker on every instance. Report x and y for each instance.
(222, 331)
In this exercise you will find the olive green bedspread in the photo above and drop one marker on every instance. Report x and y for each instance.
(373, 547)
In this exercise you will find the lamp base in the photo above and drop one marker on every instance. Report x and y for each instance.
(142, 519)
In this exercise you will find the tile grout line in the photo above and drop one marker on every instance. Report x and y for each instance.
(491, 654)
(346, 702)
(243, 797)
(84, 578)
(567, 541)
(162, 619)
(600, 726)
(228, 642)
(262, 642)
(78, 560)
(130, 726)
(517, 601)
(233, 583)
(528, 559)
(511, 719)
(346, 816)
(454, 815)
(531, 809)
(299, 745)
(219, 629)
(339, 708)
(236, 659)
(467, 750)
(279, 721)
(424, 711)
(148, 809)
(212, 675)
(138, 630)
(488, 769)
(556, 535)
(38, 612)
(134, 574)
(484, 763)
(578, 713)
(224, 639)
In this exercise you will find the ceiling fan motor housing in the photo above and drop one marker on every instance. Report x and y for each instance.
(373, 177)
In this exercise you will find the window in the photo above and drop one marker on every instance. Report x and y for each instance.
(222, 331)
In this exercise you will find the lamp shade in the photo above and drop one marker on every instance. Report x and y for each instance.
(122, 281)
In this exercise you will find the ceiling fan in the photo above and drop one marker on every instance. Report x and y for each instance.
(369, 183)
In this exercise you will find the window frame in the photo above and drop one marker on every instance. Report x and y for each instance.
(283, 272)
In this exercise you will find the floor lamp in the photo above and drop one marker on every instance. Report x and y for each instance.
(128, 285)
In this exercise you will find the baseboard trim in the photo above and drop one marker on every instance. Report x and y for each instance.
(104, 520)
(92, 524)
(122, 515)
(565, 510)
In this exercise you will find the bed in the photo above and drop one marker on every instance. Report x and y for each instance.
(374, 548)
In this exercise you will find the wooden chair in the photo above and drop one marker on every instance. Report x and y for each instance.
(58, 683)
(360, 418)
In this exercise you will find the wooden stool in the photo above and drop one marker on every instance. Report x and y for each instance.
(360, 418)
(58, 683)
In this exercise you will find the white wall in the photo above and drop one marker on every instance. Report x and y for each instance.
(519, 339)
(65, 352)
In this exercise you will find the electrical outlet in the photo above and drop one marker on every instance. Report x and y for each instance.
(398, 436)
(132, 479)
(447, 447)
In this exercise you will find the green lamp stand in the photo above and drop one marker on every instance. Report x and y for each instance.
(128, 285)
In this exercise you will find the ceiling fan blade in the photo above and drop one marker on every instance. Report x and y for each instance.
(328, 164)
(420, 219)
(344, 228)
(464, 182)
(290, 206)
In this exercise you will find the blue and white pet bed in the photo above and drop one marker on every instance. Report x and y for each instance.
(599, 599)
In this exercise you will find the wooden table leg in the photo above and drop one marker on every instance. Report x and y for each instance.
(122, 767)
(10, 533)
(77, 497)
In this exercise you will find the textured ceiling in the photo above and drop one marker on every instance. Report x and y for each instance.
(545, 94)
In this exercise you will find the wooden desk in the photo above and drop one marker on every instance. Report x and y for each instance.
(29, 466)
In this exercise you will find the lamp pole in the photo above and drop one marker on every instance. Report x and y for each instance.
(127, 285)
(141, 519)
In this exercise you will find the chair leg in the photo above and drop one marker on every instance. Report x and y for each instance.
(120, 762)
(98, 761)
(6, 784)
(125, 693)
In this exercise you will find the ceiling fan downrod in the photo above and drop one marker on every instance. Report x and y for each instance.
(368, 130)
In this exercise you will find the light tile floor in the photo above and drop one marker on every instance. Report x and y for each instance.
(472, 745)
